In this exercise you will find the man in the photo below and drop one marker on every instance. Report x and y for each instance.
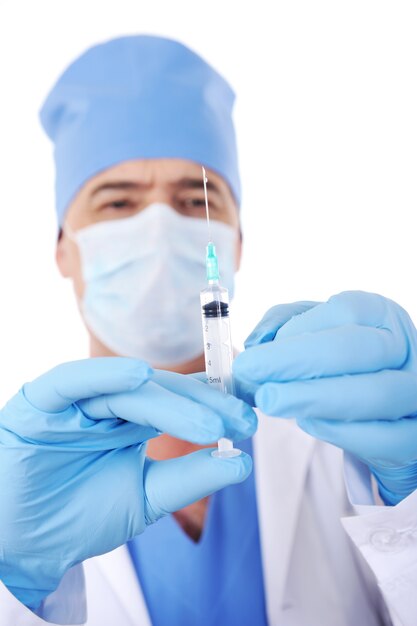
(132, 121)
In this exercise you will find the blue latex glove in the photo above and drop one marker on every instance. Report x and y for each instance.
(347, 371)
(264, 332)
(74, 478)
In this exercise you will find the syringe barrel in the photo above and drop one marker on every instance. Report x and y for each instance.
(218, 349)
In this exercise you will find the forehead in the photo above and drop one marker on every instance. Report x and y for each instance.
(156, 172)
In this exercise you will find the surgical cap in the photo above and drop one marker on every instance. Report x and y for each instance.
(138, 97)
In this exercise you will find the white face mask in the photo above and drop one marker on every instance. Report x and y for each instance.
(143, 276)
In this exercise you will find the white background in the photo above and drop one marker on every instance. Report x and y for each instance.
(326, 117)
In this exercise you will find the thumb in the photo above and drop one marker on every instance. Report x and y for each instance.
(274, 319)
(173, 484)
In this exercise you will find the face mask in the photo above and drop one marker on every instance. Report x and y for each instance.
(143, 276)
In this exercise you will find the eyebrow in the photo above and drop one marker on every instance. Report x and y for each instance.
(184, 183)
(117, 184)
(195, 183)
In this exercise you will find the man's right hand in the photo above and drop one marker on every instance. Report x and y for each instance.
(75, 481)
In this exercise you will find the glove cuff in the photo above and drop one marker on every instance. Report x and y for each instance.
(396, 483)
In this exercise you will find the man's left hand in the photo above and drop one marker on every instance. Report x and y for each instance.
(346, 370)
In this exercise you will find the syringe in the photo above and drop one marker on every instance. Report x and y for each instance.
(218, 349)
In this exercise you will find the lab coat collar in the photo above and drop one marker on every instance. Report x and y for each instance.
(117, 567)
(279, 486)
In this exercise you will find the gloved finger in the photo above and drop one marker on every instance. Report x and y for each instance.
(343, 309)
(191, 411)
(201, 376)
(203, 393)
(65, 431)
(334, 352)
(245, 390)
(242, 390)
(273, 319)
(386, 395)
(57, 389)
(376, 442)
(173, 484)
(231, 406)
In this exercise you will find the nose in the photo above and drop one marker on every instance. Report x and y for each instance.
(158, 195)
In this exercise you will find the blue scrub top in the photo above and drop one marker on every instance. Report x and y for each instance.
(217, 581)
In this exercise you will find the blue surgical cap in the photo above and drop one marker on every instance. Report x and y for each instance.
(138, 97)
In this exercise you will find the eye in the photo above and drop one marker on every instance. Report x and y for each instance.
(119, 204)
(194, 203)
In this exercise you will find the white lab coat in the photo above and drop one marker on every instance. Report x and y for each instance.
(314, 574)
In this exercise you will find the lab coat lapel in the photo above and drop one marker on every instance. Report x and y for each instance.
(282, 454)
(118, 569)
